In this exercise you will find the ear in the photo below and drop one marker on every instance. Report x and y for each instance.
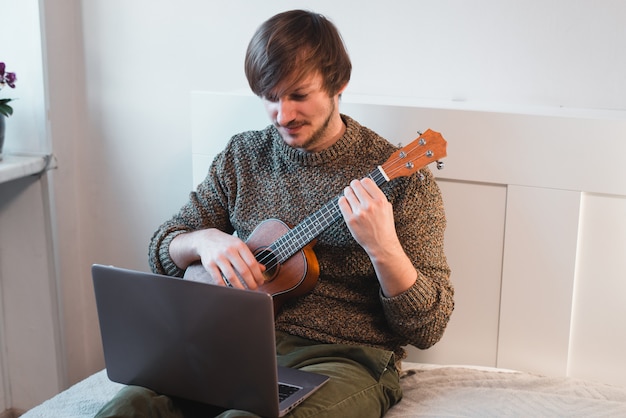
(340, 92)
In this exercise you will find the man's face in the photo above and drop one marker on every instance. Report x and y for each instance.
(305, 115)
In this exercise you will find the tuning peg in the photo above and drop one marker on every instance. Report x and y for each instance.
(420, 133)
(421, 175)
(440, 165)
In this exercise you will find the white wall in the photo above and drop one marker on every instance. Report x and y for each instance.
(120, 73)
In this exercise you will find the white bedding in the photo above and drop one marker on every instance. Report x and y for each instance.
(428, 392)
(478, 392)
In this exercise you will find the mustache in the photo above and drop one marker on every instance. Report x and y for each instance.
(290, 124)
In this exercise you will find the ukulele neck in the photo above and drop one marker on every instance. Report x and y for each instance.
(428, 147)
(313, 225)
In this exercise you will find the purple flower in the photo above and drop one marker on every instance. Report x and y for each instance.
(9, 79)
(5, 77)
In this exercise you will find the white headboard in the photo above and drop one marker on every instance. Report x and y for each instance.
(536, 207)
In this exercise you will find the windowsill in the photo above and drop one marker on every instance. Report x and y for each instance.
(13, 167)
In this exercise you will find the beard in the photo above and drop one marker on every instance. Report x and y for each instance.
(319, 135)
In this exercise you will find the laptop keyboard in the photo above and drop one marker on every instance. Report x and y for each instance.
(285, 391)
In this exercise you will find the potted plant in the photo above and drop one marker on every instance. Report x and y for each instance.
(6, 79)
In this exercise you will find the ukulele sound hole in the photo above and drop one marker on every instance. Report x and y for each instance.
(269, 260)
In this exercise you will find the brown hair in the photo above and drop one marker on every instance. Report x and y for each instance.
(290, 46)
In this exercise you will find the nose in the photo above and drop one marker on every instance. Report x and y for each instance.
(285, 112)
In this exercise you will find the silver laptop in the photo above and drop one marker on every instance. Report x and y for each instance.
(196, 341)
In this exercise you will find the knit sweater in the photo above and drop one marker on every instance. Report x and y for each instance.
(258, 177)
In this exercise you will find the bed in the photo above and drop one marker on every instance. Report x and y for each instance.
(429, 391)
(517, 204)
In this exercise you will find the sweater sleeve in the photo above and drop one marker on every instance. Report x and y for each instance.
(206, 208)
(421, 313)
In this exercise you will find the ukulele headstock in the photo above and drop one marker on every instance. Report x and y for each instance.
(427, 148)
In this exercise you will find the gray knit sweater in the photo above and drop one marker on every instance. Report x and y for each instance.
(258, 177)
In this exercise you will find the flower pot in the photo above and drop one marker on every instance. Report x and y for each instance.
(2, 125)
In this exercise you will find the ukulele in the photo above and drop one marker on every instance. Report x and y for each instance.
(291, 267)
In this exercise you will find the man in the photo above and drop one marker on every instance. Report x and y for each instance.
(384, 279)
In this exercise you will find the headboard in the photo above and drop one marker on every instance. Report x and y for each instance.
(536, 237)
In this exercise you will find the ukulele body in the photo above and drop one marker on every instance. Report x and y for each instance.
(287, 279)
(283, 280)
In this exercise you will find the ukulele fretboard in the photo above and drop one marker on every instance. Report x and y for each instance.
(314, 224)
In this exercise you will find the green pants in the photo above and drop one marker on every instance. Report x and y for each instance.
(363, 382)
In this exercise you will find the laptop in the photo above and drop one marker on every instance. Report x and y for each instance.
(196, 341)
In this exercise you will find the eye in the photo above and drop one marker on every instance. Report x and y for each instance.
(298, 97)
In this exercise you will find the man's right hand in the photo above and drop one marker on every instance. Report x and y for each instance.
(225, 258)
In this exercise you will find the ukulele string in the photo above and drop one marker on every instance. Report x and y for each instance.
(296, 238)
(403, 162)
(270, 259)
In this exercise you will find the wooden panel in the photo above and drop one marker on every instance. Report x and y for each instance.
(474, 246)
(552, 148)
(538, 279)
(598, 340)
